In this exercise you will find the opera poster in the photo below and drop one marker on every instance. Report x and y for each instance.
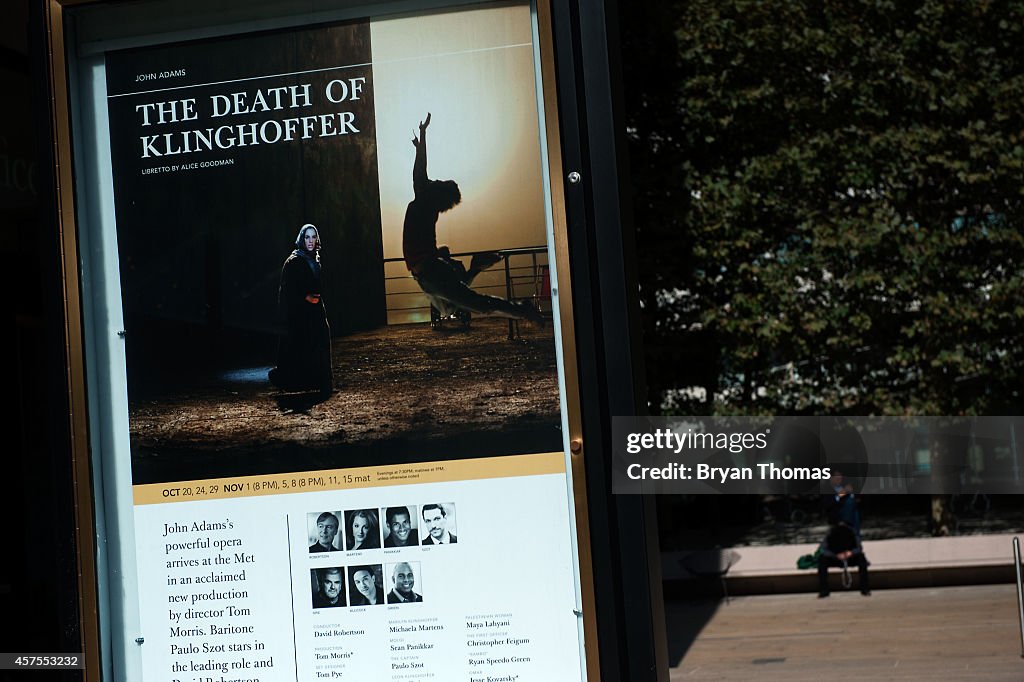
(223, 149)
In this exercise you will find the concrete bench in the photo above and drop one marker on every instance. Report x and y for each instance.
(909, 562)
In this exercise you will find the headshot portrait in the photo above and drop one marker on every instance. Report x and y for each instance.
(400, 526)
(323, 531)
(328, 587)
(365, 585)
(362, 529)
(403, 583)
(439, 523)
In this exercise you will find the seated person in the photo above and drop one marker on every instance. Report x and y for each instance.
(842, 546)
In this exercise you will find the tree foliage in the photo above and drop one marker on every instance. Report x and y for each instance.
(829, 200)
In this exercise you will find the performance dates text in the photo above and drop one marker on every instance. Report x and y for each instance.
(285, 483)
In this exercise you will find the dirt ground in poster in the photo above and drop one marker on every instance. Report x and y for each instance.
(402, 393)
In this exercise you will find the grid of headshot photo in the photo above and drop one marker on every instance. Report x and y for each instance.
(355, 531)
(358, 530)
(362, 585)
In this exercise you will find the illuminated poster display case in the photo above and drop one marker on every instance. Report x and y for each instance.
(326, 401)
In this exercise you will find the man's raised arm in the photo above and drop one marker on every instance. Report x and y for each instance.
(419, 166)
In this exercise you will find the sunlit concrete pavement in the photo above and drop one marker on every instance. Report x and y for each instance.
(954, 633)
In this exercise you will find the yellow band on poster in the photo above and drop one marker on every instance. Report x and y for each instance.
(227, 487)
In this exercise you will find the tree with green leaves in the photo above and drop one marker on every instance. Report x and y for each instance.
(828, 201)
(828, 204)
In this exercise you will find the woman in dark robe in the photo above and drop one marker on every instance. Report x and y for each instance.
(304, 355)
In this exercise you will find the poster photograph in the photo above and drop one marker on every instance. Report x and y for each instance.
(293, 208)
(340, 353)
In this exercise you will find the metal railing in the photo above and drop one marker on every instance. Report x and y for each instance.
(1020, 591)
(525, 275)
